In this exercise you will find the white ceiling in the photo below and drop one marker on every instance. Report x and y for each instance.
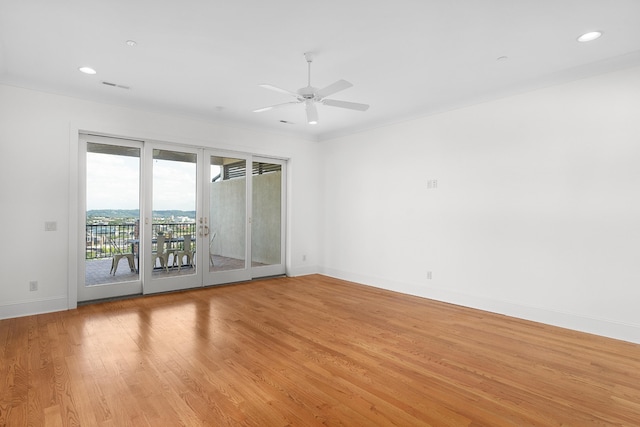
(406, 58)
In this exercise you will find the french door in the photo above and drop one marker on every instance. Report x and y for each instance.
(110, 185)
(173, 203)
(243, 219)
(200, 217)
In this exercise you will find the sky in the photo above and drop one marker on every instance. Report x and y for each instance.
(113, 183)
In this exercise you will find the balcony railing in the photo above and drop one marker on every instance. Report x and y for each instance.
(103, 240)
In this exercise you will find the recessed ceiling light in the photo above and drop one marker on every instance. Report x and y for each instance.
(131, 43)
(502, 58)
(590, 36)
(87, 70)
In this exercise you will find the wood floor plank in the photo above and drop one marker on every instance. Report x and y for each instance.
(15, 386)
(303, 352)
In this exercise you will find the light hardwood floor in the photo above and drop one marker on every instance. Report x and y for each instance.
(303, 352)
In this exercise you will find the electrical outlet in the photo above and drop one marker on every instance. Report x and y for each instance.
(33, 286)
(50, 226)
(304, 257)
(429, 275)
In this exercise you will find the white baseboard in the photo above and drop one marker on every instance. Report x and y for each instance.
(603, 327)
(61, 303)
(302, 271)
(31, 307)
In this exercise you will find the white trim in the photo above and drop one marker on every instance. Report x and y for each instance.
(303, 271)
(576, 322)
(32, 307)
(72, 261)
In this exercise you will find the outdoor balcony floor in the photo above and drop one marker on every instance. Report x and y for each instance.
(97, 270)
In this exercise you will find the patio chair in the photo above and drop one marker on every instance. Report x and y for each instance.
(119, 254)
(185, 252)
(171, 250)
(160, 254)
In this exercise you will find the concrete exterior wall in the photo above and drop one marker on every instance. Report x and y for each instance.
(228, 218)
(266, 224)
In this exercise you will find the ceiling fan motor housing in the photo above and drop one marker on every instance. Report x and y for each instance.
(308, 92)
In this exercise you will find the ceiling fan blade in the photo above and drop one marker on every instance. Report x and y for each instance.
(345, 104)
(333, 88)
(277, 89)
(271, 107)
(312, 113)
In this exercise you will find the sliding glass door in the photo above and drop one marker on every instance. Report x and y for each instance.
(267, 217)
(244, 221)
(110, 195)
(226, 221)
(161, 217)
(170, 224)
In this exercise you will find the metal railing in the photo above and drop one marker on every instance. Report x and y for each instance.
(105, 240)
(175, 229)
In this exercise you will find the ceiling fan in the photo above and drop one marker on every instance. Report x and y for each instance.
(310, 95)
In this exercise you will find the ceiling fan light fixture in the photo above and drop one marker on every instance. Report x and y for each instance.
(312, 112)
(590, 36)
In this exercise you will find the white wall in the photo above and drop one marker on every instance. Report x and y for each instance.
(536, 214)
(36, 133)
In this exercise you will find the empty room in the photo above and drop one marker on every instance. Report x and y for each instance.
(440, 226)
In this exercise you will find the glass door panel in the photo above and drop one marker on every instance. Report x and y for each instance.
(171, 240)
(112, 218)
(226, 222)
(267, 219)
